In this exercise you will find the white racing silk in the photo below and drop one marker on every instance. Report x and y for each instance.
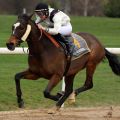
(61, 23)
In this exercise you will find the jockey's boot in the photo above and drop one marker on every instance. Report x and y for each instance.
(68, 41)
(69, 45)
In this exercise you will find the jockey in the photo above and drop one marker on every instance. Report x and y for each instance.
(58, 23)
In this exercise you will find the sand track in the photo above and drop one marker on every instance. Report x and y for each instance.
(96, 113)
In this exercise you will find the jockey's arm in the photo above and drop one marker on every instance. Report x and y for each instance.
(55, 29)
(59, 20)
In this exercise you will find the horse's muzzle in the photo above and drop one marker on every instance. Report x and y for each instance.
(10, 46)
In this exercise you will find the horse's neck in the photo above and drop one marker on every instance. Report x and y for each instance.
(38, 42)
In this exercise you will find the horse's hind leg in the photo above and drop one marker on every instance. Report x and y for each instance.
(90, 68)
(22, 75)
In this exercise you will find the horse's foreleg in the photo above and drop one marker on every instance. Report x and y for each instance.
(90, 68)
(52, 83)
(68, 90)
(22, 75)
(18, 76)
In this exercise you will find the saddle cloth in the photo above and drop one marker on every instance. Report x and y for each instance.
(80, 46)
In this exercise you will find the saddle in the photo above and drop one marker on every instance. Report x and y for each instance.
(80, 45)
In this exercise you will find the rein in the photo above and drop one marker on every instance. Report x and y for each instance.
(52, 39)
(41, 32)
(23, 48)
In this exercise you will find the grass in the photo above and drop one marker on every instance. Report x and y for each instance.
(106, 84)
(105, 29)
(5, 28)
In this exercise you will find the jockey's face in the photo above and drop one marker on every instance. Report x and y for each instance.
(41, 15)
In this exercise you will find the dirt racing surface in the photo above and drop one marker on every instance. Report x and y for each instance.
(99, 113)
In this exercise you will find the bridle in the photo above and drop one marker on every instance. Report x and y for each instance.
(41, 33)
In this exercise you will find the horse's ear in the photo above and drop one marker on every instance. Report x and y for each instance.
(30, 16)
(22, 15)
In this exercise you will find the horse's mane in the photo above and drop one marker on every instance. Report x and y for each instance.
(27, 18)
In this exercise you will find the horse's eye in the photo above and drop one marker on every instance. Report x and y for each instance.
(21, 28)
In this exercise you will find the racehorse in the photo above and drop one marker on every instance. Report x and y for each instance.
(48, 61)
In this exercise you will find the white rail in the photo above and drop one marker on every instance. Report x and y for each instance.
(114, 50)
(19, 50)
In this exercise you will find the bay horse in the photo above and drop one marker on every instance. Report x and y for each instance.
(47, 61)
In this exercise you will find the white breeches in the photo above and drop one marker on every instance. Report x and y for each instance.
(66, 30)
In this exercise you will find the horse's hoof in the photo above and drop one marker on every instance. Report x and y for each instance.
(21, 104)
(71, 99)
(54, 110)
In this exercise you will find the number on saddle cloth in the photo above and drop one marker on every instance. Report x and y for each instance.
(81, 46)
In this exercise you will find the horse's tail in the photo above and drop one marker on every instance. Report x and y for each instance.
(114, 62)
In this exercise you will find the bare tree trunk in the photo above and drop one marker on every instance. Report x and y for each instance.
(85, 13)
(66, 5)
(18, 6)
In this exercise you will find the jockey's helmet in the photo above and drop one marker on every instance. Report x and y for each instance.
(42, 9)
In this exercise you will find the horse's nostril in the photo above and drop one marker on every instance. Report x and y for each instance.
(10, 46)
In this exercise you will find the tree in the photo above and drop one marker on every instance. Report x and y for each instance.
(86, 7)
(18, 6)
(74, 7)
(112, 8)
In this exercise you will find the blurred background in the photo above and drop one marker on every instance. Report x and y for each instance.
(109, 8)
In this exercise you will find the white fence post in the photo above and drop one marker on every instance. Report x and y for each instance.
(63, 87)
(24, 11)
